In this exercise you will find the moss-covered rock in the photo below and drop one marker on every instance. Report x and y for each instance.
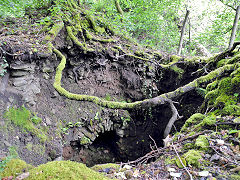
(64, 170)
(194, 119)
(15, 167)
(193, 158)
(202, 142)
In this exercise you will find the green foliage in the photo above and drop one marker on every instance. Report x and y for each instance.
(148, 21)
(15, 8)
(223, 94)
(24, 119)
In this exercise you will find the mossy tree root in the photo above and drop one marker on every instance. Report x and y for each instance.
(161, 99)
(75, 39)
(52, 34)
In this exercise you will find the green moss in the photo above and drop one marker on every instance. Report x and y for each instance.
(221, 63)
(188, 146)
(175, 58)
(24, 119)
(169, 160)
(96, 28)
(235, 81)
(195, 118)
(82, 97)
(64, 170)
(84, 140)
(230, 110)
(15, 167)
(74, 38)
(223, 95)
(52, 34)
(209, 120)
(211, 96)
(100, 167)
(235, 177)
(212, 85)
(234, 59)
(202, 142)
(177, 70)
(179, 164)
(193, 158)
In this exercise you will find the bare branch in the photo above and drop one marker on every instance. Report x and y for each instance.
(228, 5)
(182, 162)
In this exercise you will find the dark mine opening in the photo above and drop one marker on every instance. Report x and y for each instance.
(107, 143)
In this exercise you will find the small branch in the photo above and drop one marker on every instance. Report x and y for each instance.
(154, 143)
(175, 116)
(182, 162)
(195, 135)
(236, 163)
(228, 123)
(228, 5)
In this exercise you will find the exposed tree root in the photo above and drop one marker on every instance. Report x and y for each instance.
(161, 99)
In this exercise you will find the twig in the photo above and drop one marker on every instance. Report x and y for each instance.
(195, 135)
(182, 162)
(154, 143)
(228, 123)
(146, 157)
(224, 156)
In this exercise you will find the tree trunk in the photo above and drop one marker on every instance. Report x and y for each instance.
(234, 29)
(182, 33)
(119, 9)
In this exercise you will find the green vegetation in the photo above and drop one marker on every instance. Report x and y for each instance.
(26, 121)
(210, 22)
(99, 167)
(202, 142)
(64, 170)
(51, 170)
(4, 162)
(194, 119)
(15, 167)
(14, 8)
(193, 158)
(223, 94)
